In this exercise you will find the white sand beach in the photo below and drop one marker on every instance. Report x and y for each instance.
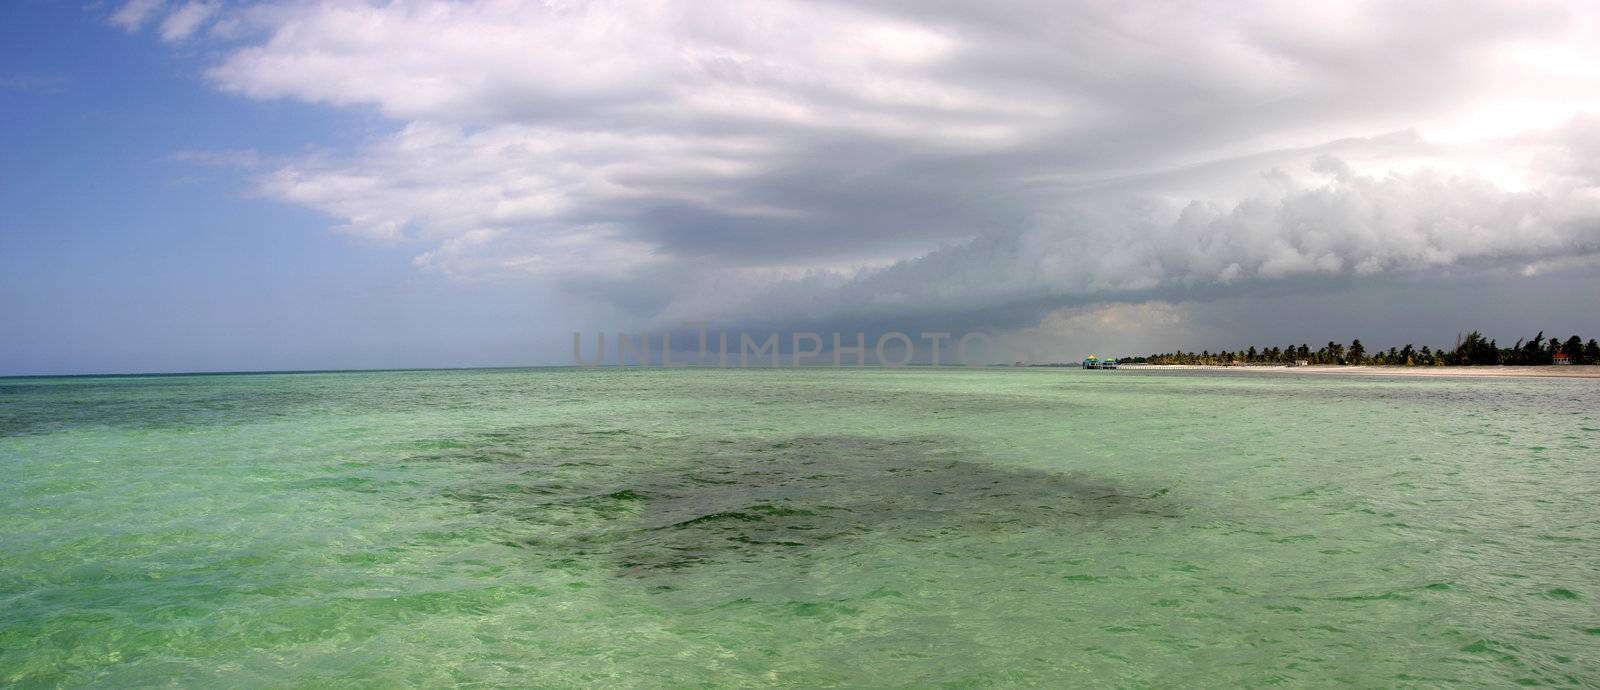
(1572, 372)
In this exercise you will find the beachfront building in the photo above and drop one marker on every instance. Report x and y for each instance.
(1562, 358)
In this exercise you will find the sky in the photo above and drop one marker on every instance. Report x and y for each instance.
(216, 185)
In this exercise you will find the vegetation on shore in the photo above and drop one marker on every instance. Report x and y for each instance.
(1472, 349)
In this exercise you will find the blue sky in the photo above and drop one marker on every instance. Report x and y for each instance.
(201, 185)
(116, 255)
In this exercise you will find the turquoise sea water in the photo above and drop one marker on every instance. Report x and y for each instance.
(915, 527)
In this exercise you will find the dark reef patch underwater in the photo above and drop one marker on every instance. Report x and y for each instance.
(772, 500)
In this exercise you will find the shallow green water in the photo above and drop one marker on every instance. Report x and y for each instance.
(806, 528)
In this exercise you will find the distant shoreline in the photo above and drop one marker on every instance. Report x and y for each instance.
(1486, 371)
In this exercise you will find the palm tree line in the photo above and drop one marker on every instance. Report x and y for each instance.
(1472, 349)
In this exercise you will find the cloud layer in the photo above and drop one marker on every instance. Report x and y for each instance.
(840, 162)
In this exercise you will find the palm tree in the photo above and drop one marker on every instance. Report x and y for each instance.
(1573, 349)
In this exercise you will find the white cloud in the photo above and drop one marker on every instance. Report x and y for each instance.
(184, 21)
(1055, 151)
(134, 13)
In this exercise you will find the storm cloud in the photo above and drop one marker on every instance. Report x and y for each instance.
(824, 164)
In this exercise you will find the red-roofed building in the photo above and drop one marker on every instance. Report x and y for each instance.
(1562, 358)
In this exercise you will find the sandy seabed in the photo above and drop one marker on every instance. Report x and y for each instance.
(1552, 371)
